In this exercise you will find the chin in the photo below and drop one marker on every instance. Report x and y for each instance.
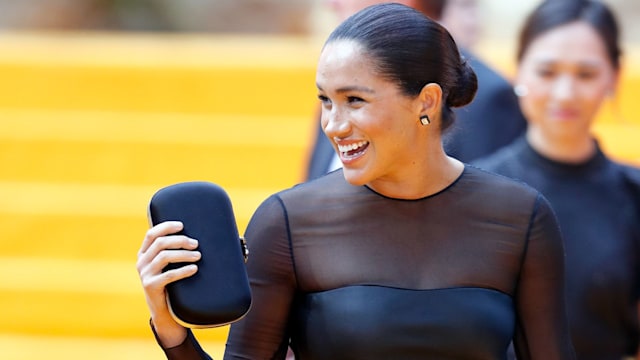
(355, 177)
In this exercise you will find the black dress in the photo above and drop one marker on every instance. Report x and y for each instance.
(343, 272)
(596, 204)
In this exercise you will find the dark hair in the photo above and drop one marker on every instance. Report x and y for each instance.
(412, 51)
(551, 14)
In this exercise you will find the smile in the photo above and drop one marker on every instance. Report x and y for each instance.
(354, 149)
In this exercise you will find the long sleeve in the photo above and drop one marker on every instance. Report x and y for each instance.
(188, 350)
(263, 332)
(542, 330)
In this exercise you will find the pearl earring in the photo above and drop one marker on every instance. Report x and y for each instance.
(521, 90)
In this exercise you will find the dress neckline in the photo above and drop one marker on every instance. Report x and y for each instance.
(453, 183)
(596, 161)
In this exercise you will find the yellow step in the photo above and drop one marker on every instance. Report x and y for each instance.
(88, 221)
(28, 347)
(76, 297)
(148, 148)
(255, 75)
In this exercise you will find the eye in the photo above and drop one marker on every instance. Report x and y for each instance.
(587, 74)
(545, 73)
(354, 99)
(324, 100)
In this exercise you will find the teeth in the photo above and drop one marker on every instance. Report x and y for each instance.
(351, 147)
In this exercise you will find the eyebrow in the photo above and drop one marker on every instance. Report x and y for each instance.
(588, 63)
(350, 88)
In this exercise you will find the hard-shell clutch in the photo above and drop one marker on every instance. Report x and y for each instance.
(219, 293)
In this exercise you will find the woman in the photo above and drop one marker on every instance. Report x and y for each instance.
(568, 63)
(404, 253)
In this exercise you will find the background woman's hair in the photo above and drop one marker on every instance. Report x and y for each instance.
(553, 13)
(411, 50)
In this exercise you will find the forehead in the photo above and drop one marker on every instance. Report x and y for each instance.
(575, 42)
(344, 60)
(339, 51)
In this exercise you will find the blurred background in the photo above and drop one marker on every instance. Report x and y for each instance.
(103, 102)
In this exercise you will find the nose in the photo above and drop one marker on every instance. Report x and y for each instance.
(564, 88)
(334, 122)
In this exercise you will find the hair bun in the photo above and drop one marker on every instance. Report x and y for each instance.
(466, 86)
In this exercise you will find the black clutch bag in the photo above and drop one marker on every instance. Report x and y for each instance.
(219, 293)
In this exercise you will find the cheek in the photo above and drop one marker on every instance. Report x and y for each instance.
(591, 103)
(323, 119)
(595, 95)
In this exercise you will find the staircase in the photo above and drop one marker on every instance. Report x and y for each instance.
(91, 126)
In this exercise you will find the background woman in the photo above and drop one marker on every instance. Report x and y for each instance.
(568, 63)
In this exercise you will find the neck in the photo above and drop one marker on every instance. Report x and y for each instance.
(434, 173)
(573, 150)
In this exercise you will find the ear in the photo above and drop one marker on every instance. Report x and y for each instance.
(430, 100)
(519, 87)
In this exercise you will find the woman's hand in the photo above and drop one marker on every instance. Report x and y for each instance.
(160, 248)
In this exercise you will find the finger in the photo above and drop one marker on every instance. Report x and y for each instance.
(156, 265)
(156, 284)
(166, 244)
(170, 242)
(178, 274)
(162, 229)
(167, 257)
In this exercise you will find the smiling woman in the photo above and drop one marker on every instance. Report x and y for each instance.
(406, 253)
(374, 93)
(367, 117)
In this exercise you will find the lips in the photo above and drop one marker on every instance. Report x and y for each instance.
(565, 114)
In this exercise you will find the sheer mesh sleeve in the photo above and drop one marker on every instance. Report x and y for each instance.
(262, 334)
(542, 331)
(188, 350)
